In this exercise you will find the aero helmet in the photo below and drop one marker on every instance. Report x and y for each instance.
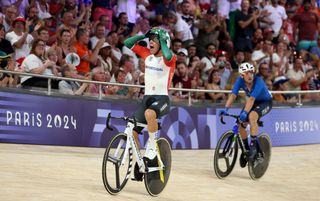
(159, 31)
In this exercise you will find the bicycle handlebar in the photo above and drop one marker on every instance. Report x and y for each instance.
(229, 115)
(125, 118)
(107, 122)
(237, 117)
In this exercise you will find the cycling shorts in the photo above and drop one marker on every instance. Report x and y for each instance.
(159, 103)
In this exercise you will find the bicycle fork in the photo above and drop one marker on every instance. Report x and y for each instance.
(131, 143)
(233, 141)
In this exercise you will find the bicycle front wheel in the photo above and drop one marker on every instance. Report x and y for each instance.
(156, 181)
(258, 167)
(225, 155)
(114, 174)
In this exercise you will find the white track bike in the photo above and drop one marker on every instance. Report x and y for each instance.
(118, 160)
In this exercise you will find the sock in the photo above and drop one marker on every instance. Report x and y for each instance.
(152, 136)
(253, 140)
(151, 146)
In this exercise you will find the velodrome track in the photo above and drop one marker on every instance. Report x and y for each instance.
(56, 173)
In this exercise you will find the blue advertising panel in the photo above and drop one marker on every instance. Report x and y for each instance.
(50, 120)
(79, 122)
(285, 126)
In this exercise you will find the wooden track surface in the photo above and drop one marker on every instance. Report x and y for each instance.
(55, 173)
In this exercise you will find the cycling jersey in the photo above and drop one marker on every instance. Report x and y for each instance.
(158, 71)
(259, 90)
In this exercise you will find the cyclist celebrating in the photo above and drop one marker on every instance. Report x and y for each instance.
(258, 104)
(160, 64)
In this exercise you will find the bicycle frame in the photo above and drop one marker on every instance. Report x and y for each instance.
(131, 143)
(236, 133)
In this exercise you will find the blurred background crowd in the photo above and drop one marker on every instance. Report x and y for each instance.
(210, 38)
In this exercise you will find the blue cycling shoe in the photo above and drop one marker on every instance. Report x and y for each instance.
(243, 160)
(253, 150)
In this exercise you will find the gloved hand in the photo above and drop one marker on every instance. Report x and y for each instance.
(223, 112)
(163, 35)
(243, 116)
(147, 35)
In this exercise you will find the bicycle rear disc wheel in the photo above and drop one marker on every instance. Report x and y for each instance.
(258, 167)
(156, 181)
(225, 155)
(115, 175)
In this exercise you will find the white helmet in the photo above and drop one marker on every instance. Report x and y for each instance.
(245, 67)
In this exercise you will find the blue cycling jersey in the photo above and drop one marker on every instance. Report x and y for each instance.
(259, 90)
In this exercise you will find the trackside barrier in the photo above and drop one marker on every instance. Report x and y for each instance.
(190, 91)
(35, 119)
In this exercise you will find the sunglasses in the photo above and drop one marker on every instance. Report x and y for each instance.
(154, 38)
(248, 73)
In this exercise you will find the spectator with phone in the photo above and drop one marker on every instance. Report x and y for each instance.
(101, 75)
(72, 87)
(224, 69)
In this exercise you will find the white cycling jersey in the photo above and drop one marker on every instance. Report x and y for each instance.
(158, 72)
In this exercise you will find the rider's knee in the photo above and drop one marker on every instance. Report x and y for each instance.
(253, 117)
(150, 114)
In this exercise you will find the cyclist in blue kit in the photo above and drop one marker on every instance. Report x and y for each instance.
(258, 104)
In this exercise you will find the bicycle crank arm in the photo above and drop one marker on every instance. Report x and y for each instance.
(160, 169)
(153, 169)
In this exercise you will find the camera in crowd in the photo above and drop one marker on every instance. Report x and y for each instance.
(221, 64)
(4, 60)
(3, 63)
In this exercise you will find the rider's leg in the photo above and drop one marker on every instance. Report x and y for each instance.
(151, 118)
(244, 136)
(254, 129)
(253, 120)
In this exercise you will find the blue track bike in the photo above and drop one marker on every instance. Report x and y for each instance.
(226, 151)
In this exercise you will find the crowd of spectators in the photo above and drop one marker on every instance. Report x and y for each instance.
(210, 38)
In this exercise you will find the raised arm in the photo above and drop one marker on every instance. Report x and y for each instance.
(165, 50)
(164, 37)
(129, 42)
